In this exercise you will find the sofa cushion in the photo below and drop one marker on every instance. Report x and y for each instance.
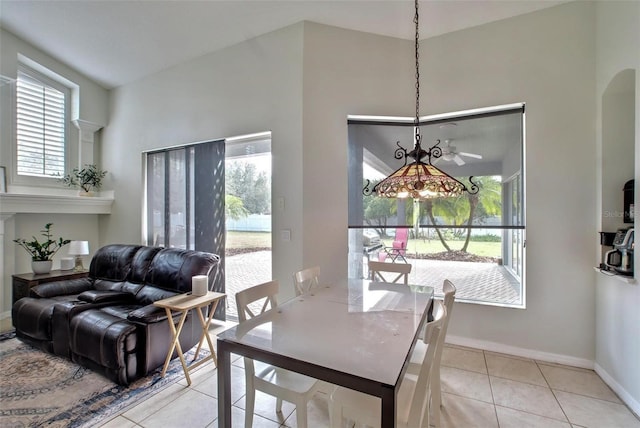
(147, 294)
(151, 314)
(104, 339)
(106, 296)
(120, 311)
(141, 262)
(113, 262)
(172, 269)
(32, 317)
(61, 288)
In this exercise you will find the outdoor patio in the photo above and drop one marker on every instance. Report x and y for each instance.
(474, 281)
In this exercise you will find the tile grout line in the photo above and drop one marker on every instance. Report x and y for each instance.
(493, 399)
(553, 393)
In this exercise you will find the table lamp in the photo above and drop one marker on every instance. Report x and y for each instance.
(78, 249)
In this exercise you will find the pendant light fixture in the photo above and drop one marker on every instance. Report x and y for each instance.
(418, 178)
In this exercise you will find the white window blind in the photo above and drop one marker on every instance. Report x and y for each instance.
(40, 127)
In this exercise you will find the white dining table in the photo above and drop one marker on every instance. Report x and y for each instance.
(355, 333)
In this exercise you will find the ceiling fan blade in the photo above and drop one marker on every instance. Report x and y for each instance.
(471, 155)
(458, 160)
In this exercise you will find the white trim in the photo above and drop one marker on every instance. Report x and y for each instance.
(618, 389)
(423, 119)
(20, 203)
(521, 352)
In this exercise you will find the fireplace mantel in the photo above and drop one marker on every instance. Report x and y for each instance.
(23, 203)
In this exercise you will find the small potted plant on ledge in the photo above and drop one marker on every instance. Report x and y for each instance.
(42, 252)
(86, 179)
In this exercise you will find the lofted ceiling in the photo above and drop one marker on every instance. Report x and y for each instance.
(115, 42)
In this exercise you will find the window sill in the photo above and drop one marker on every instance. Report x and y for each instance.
(54, 202)
(623, 278)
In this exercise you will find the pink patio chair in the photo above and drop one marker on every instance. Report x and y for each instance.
(398, 248)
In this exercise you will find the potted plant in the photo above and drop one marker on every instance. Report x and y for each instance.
(42, 252)
(86, 179)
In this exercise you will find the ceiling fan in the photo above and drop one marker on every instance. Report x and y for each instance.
(449, 153)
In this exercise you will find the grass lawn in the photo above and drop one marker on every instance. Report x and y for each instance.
(420, 246)
(248, 239)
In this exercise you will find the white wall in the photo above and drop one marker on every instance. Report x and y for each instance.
(345, 72)
(91, 105)
(545, 59)
(618, 303)
(302, 81)
(252, 87)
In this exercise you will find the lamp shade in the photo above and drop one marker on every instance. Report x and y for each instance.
(78, 248)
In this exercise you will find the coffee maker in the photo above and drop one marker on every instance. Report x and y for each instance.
(620, 259)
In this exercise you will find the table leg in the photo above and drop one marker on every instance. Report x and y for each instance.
(205, 332)
(176, 344)
(224, 386)
(388, 408)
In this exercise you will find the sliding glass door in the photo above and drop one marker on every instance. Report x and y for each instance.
(185, 201)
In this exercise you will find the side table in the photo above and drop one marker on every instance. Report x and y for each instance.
(183, 303)
(22, 282)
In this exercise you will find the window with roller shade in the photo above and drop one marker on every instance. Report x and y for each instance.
(476, 240)
(41, 124)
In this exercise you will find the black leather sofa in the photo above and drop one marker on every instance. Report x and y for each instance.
(107, 322)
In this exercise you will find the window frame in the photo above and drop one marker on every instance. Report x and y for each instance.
(513, 232)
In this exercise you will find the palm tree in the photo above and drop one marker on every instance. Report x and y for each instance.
(466, 208)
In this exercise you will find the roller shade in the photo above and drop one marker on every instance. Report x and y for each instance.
(488, 145)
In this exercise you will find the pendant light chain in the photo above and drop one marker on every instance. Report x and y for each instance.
(416, 20)
(418, 179)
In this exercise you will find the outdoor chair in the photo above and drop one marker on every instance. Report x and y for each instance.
(398, 248)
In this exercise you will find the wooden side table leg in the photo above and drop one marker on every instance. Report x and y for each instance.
(214, 357)
(176, 344)
(205, 332)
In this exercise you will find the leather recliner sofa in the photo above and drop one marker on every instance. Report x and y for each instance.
(107, 322)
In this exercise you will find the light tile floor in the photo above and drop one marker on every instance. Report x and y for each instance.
(480, 389)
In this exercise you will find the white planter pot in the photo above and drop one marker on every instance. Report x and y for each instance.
(41, 266)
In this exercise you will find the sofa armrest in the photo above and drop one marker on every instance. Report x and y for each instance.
(151, 314)
(106, 296)
(61, 288)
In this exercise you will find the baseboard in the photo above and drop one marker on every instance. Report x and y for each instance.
(631, 402)
(521, 352)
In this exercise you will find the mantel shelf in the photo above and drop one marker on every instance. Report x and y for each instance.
(625, 279)
(25, 203)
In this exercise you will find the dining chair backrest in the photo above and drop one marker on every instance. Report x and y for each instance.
(394, 271)
(306, 279)
(413, 410)
(255, 300)
(449, 291)
(419, 402)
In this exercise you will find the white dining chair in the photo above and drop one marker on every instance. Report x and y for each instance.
(383, 271)
(275, 381)
(421, 347)
(306, 279)
(412, 406)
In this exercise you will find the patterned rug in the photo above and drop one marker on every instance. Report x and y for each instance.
(39, 389)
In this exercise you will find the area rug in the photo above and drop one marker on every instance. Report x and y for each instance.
(39, 389)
